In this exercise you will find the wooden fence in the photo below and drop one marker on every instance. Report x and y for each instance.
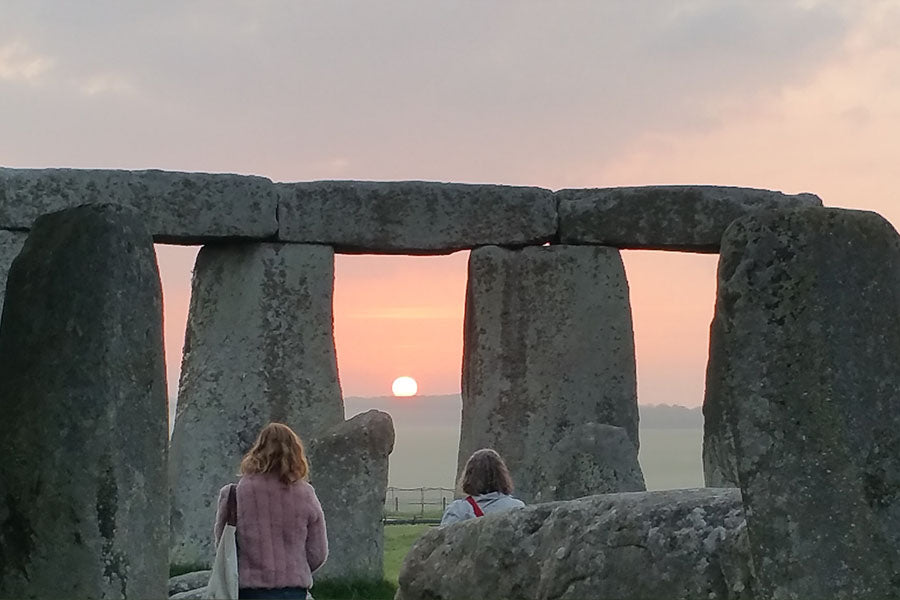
(416, 503)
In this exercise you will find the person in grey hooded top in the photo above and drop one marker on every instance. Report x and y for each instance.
(488, 484)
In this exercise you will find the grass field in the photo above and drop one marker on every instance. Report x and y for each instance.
(398, 539)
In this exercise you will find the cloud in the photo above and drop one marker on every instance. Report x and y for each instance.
(106, 84)
(499, 92)
(19, 63)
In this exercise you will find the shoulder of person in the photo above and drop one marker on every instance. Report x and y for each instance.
(303, 489)
(458, 510)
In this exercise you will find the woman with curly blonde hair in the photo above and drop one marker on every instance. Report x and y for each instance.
(280, 525)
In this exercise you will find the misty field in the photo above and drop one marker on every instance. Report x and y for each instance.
(427, 438)
(426, 456)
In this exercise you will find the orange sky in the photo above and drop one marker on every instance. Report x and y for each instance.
(402, 315)
(799, 95)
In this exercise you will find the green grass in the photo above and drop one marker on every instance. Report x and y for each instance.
(398, 539)
(414, 514)
(354, 590)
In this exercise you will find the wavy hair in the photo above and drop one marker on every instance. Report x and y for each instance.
(485, 472)
(277, 450)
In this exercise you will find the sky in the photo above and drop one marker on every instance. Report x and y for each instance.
(797, 96)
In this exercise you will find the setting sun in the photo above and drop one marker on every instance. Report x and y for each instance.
(404, 387)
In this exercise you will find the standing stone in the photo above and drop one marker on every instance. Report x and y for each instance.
(591, 459)
(803, 398)
(83, 510)
(667, 217)
(414, 217)
(181, 208)
(672, 545)
(258, 348)
(349, 469)
(548, 346)
(11, 243)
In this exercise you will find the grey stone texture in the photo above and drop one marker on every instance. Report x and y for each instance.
(11, 243)
(548, 346)
(414, 217)
(188, 581)
(188, 208)
(803, 397)
(591, 459)
(83, 509)
(690, 218)
(349, 469)
(258, 348)
(194, 594)
(673, 545)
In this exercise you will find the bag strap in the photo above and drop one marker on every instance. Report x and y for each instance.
(231, 507)
(475, 507)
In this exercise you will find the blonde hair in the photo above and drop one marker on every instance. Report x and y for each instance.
(485, 472)
(277, 450)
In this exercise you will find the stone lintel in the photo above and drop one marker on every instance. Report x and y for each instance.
(688, 218)
(178, 208)
(414, 217)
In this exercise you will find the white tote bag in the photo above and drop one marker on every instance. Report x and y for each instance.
(223, 581)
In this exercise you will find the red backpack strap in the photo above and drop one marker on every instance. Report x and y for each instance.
(475, 507)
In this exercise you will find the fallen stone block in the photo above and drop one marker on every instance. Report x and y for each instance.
(188, 581)
(673, 545)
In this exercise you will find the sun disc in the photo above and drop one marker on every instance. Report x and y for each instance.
(404, 387)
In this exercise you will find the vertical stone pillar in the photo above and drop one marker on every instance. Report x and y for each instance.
(349, 469)
(10, 244)
(83, 510)
(803, 399)
(259, 348)
(548, 346)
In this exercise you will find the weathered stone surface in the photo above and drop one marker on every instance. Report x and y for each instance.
(11, 243)
(673, 545)
(414, 217)
(803, 398)
(691, 218)
(591, 459)
(548, 346)
(83, 510)
(349, 469)
(188, 581)
(194, 594)
(258, 348)
(176, 207)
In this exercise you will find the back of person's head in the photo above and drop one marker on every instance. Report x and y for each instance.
(277, 450)
(486, 472)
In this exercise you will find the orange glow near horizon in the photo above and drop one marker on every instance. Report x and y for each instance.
(396, 314)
